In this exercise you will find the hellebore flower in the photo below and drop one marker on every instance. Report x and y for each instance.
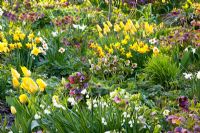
(71, 79)
(196, 129)
(183, 103)
(117, 99)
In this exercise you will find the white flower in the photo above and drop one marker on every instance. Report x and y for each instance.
(142, 119)
(76, 26)
(187, 75)
(193, 50)
(82, 27)
(54, 34)
(131, 123)
(87, 96)
(42, 106)
(95, 105)
(57, 105)
(153, 41)
(10, 132)
(79, 27)
(107, 132)
(61, 50)
(198, 75)
(45, 46)
(166, 112)
(37, 116)
(0, 27)
(46, 111)
(186, 50)
(1, 12)
(103, 121)
(71, 100)
(84, 91)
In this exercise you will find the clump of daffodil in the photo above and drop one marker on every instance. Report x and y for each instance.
(23, 98)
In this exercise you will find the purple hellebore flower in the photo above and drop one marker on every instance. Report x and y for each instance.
(82, 78)
(183, 103)
(196, 129)
(85, 85)
(78, 74)
(68, 85)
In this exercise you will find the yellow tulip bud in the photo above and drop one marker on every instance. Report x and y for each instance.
(13, 110)
(23, 98)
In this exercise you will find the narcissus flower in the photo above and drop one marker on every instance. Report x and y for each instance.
(42, 85)
(29, 85)
(35, 51)
(15, 82)
(23, 98)
(30, 36)
(26, 72)
(129, 55)
(15, 73)
(37, 40)
(13, 110)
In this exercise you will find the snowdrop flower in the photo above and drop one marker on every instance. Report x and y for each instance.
(37, 116)
(131, 123)
(84, 91)
(198, 75)
(71, 100)
(107, 132)
(42, 106)
(10, 132)
(186, 50)
(193, 50)
(142, 119)
(61, 50)
(54, 34)
(56, 104)
(126, 115)
(187, 75)
(1, 12)
(46, 111)
(95, 105)
(166, 112)
(0, 27)
(87, 96)
(103, 121)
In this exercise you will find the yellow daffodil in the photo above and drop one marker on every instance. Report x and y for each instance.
(109, 24)
(22, 36)
(23, 98)
(29, 45)
(37, 40)
(129, 55)
(15, 74)
(30, 36)
(42, 85)
(13, 110)
(117, 28)
(26, 72)
(35, 51)
(99, 28)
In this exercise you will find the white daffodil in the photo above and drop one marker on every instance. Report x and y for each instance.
(61, 50)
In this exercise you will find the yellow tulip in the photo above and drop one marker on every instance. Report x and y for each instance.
(15, 82)
(26, 72)
(15, 73)
(29, 85)
(13, 110)
(42, 85)
(23, 98)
